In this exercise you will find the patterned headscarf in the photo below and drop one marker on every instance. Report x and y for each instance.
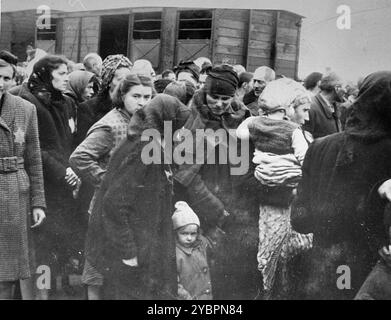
(110, 65)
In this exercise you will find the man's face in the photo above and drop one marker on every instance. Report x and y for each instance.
(6, 79)
(171, 76)
(258, 85)
(339, 93)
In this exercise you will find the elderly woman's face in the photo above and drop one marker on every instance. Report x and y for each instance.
(88, 91)
(301, 114)
(60, 78)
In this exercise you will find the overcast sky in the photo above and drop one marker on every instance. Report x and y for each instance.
(352, 53)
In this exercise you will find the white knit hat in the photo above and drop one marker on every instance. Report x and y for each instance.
(184, 215)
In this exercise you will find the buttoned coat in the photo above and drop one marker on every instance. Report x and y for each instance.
(193, 270)
(21, 185)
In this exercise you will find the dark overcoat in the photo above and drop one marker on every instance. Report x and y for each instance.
(322, 121)
(212, 188)
(340, 176)
(132, 214)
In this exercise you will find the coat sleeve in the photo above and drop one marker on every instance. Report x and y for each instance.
(208, 207)
(85, 159)
(33, 162)
(54, 168)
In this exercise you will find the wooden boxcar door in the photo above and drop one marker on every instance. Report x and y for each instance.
(194, 35)
(145, 41)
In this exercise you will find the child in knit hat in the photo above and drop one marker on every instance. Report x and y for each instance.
(193, 271)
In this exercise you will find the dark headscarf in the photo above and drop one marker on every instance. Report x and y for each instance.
(160, 109)
(190, 67)
(222, 79)
(40, 81)
(370, 117)
(78, 81)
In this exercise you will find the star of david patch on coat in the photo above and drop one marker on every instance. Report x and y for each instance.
(19, 136)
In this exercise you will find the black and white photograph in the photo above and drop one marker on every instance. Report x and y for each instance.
(207, 151)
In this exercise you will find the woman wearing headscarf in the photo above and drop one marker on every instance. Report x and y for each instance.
(130, 238)
(341, 177)
(280, 148)
(80, 88)
(114, 69)
(228, 219)
(92, 156)
(45, 89)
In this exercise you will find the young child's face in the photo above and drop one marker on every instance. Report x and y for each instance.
(187, 235)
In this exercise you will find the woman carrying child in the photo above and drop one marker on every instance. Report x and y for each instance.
(280, 148)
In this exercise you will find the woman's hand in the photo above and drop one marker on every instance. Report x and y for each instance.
(71, 177)
(131, 262)
(38, 217)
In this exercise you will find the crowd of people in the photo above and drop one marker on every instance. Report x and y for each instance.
(78, 197)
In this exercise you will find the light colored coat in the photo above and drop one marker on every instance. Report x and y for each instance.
(21, 185)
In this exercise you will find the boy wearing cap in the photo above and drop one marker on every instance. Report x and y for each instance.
(193, 272)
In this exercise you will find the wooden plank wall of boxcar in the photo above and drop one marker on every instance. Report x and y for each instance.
(287, 44)
(168, 37)
(76, 42)
(261, 39)
(230, 33)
